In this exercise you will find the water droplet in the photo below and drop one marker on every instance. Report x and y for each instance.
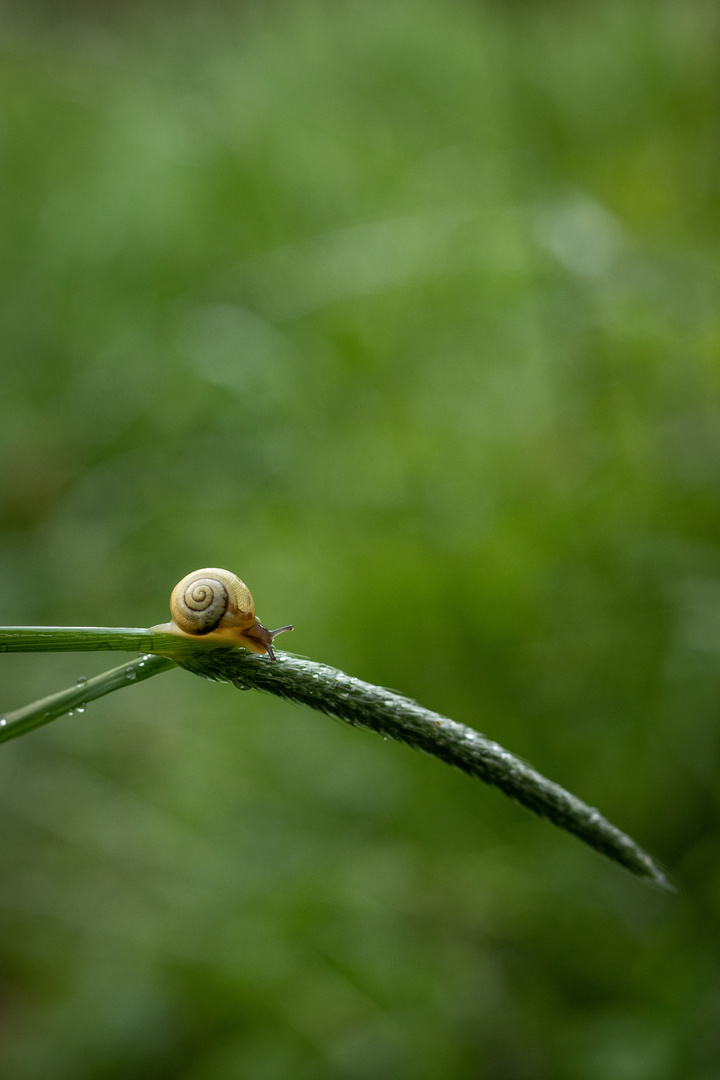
(132, 674)
(3, 722)
(71, 713)
(81, 679)
(80, 709)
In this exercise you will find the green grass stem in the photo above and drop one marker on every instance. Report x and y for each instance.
(362, 704)
(330, 691)
(75, 698)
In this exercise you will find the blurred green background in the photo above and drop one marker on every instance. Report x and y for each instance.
(407, 312)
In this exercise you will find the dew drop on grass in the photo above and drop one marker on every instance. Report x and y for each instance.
(132, 674)
(81, 679)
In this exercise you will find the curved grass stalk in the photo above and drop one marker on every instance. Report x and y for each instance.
(330, 691)
(362, 704)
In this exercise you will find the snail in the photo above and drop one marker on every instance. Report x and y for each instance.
(217, 606)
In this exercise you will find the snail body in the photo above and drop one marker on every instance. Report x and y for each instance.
(216, 606)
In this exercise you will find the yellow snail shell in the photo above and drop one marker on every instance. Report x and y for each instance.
(217, 606)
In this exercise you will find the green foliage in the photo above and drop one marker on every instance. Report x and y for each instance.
(406, 313)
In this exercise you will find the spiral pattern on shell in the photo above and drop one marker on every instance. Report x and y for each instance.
(205, 601)
(202, 599)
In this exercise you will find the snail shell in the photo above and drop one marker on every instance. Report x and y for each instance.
(217, 606)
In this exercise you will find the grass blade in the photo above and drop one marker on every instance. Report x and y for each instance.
(362, 704)
(19, 722)
(330, 691)
(88, 639)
